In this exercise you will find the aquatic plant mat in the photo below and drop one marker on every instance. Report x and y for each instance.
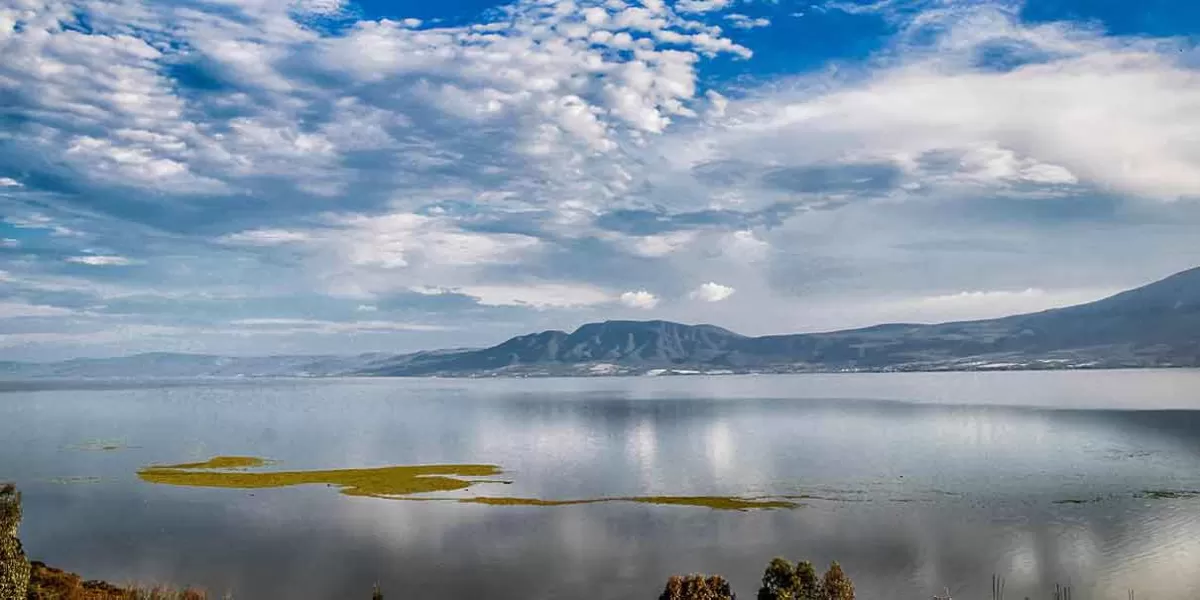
(401, 482)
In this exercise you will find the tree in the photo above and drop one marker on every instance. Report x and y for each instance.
(779, 581)
(14, 566)
(836, 585)
(697, 587)
(808, 583)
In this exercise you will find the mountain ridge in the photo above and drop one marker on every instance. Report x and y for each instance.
(1155, 325)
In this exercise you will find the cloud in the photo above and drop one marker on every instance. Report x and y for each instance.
(100, 260)
(639, 299)
(1048, 121)
(537, 295)
(552, 161)
(10, 310)
(280, 326)
(701, 6)
(711, 292)
(40, 221)
(745, 22)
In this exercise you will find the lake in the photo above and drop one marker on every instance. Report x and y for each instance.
(915, 482)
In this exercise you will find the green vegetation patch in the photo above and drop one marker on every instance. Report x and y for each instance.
(76, 479)
(1167, 494)
(379, 482)
(222, 462)
(102, 445)
(713, 502)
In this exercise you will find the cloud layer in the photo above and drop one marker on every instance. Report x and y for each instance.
(177, 170)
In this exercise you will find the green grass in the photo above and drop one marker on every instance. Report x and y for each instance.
(376, 482)
(221, 462)
(713, 502)
(1167, 494)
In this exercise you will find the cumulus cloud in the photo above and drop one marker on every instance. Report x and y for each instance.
(988, 102)
(639, 299)
(9, 182)
(712, 292)
(701, 6)
(744, 22)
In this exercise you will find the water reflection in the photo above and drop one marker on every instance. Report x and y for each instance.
(924, 495)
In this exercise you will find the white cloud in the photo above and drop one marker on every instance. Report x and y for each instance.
(1108, 113)
(744, 246)
(982, 304)
(294, 326)
(9, 243)
(639, 299)
(745, 22)
(712, 292)
(701, 6)
(538, 295)
(100, 260)
(266, 237)
(394, 240)
(9, 310)
(9, 182)
(40, 221)
(653, 246)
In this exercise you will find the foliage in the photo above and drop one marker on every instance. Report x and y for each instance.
(779, 581)
(836, 585)
(697, 587)
(14, 567)
(48, 583)
(809, 584)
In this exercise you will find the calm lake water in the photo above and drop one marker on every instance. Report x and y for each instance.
(924, 481)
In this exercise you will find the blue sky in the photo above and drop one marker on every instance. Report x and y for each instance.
(329, 176)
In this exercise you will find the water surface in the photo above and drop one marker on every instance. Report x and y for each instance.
(919, 482)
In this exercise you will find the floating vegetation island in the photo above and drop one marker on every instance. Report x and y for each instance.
(381, 482)
(402, 482)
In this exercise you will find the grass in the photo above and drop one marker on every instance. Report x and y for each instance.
(1167, 494)
(222, 462)
(391, 482)
(379, 482)
(102, 445)
(713, 502)
(48, 583)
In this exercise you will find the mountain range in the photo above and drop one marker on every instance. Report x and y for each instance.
(1157, 325)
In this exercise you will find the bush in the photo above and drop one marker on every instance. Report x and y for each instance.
(836, 585)
(697, 587)
(779, 581)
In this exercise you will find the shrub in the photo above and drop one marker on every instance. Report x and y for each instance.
(697, 587)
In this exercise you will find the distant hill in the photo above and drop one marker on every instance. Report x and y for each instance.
(1157, 325)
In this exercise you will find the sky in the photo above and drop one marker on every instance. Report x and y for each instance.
(328, 176)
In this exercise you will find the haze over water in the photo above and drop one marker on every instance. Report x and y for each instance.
(920, 481)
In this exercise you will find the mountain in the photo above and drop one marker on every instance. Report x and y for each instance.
(1157, 325)
(168, 365)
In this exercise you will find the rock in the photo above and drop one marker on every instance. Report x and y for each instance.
(14, 566)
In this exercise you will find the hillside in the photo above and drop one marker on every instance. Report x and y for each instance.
(1157, 325)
